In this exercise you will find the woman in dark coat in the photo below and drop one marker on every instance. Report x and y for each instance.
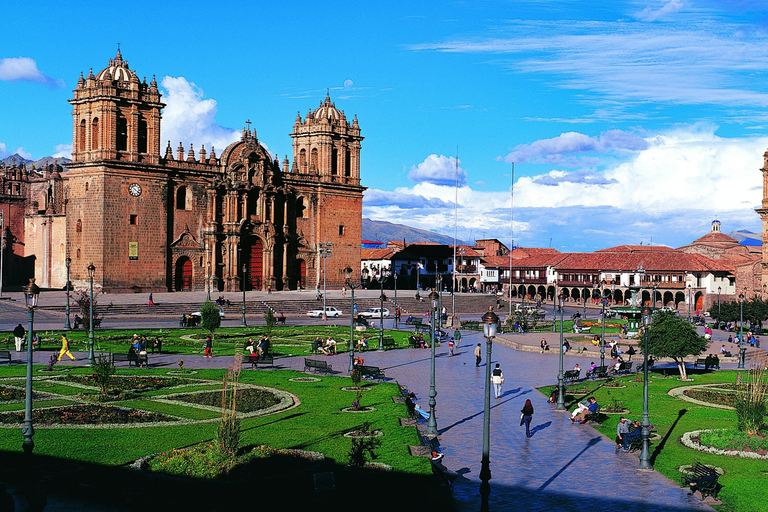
(527, 416)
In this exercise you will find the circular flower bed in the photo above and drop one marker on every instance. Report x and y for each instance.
(359, 433)
(131, 383)
(359, 409)
(355, 388)
(693, 440)
(305, 379)
(248, 400)
(86, 414)
(181, 372)
(711, 395)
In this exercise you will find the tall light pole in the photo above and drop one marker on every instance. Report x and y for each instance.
(324, 250)
(718, 307)
(584, 299)
(741, 331)
(31, 294)
(208, 283)
(2, 249)
(439, 286)
(602, 322)
(432, 421)
(383, 274)
(490, 323)
(348, 280)
(560, 384)
(645, 454)
(91, 273)
(68, 262)
(554, 308)
(394, 276)
(245, 283)
(689, 303)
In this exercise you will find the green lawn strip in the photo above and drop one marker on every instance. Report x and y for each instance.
(317, 424)
(174, 410)
(745, 483)
(61, 388)
(36, 404)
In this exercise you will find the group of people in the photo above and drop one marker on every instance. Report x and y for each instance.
(327, 347)
(711, 361)
(258, 348)
(625, 435)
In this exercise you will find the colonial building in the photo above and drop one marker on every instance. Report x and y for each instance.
(178, 219)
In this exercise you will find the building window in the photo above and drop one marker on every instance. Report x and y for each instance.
(303, 160)
(79, 226)
(182, 202)
(78, 254)
(313, 160)
(334, 161)
(82, 135)
(86, 186)
(134, 219)
(341, 230)
(122, 133)
(95, 133)
(142, 135)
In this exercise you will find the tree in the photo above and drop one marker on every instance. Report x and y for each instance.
(269, 321)
(672, 336)
(210, 318)
(83, 302)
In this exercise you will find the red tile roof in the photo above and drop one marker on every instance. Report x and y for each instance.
(376, 254)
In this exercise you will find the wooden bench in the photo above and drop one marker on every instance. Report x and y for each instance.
(639, 367)
(571, 375)
(600, 372)
(256, 360)
(389, 342)
(317, 366)
(697, 471)
(413, 320)
(624, 368)
(700, 361)
(594, 416)
(372, 372)
(6, 354)
(133, 359)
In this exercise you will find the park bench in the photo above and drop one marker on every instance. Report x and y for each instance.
(132, 358)
(600, 372)
(703, 362)
(624, 368)
(700, 361)
(571, 375)
(371, 372)
(471, 325)
(389, 342)
(596, 416)
(317, 366)
(413, 342)
(707, 488)
(6, 354)
(413, 320)
(280, 319)
(256, 360)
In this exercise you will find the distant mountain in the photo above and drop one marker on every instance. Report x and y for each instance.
(745, 237)
(14, 158)
(381, 231)
(60, 160)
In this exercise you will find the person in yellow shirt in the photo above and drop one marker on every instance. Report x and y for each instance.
(65, 348)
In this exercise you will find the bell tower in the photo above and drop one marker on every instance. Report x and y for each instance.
(763, 212)
(115, 116)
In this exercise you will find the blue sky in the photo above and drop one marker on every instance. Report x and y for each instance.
(628, 121)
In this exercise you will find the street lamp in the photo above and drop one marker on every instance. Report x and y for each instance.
(718, 307)
(68, 262)
(554, 308)
(208, 282)
(245, 269)
(91, 273)
(560, 385)
(394, 275)
(689, 303)
(645, 455)
(603, 298)
(490, 323)
(324, 250)
(348, 280)
(584, 299)
(741, 331)
(432, 421)
(383, 274)
(31, 294)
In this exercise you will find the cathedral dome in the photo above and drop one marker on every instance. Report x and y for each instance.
(117, 70)
(327, 110)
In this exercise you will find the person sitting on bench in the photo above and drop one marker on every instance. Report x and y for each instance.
(634, 435)
(410, 402)
(703, 481)
(318, 345)
(582, 414)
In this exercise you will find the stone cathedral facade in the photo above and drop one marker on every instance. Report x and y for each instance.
(154, 217)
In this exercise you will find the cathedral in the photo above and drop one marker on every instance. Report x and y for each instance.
(154, 218)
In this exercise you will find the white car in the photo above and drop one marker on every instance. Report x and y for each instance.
(198, 315)
(330, 311)
(374, 313)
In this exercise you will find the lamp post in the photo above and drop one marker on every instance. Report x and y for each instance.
(31, 294)
(348, 280)
(718, 307)
(394, 275)
(603, 298)
(91, 273)
(490, 323)
(208, 282)
(383, 274)
(645, 455)
(439, 287)
(584, 299)
(560, 385)
(689, 303)
(324, 250)
(554, 308)
(432, 421)
(68, 261)
(741, 331)
(245, 269)
(524, 291)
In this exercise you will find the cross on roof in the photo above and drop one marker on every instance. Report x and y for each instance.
(248, 122)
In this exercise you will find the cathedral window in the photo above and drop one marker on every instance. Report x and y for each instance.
(301, 209)
(313, 160)
(133, 220)
(142, 135)
(86, 186)
(122, 133)
(182, 199)
(81, 145)
(347, 163)
(335, 161)
(341, 230)
(95, 133)
(78, 254)
(79, 227)
(303, 160)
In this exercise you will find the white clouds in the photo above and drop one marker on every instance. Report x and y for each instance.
(188, 118)
(667, 8)
(4, 152)
(63, 151)
(439, 170)
(667, 192)
(556, 150)
(24, 69)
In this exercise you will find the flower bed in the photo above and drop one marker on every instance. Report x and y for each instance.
(10, 394)
(132, 383)
(732, 439)
(248, 400)
(693, 440)
(711, 396)
(86, 414)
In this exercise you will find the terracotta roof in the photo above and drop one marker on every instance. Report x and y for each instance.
(637, 248)
(526, 252)
(376, 254)
(716, 237)
(538, 261)
(651, 261)
(468, 251)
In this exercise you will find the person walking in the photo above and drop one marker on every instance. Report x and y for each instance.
(497, 379)
(151, 301)
(478, 357)
(527, 412)
(18, 336)
(450, 346)
(65, 348)
(208, 346)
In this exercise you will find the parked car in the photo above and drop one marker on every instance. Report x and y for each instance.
(329, 311)
(198, 315)
(195, 318)
(374, 313)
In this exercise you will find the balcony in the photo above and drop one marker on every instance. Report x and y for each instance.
(466, 269)
(527, 280)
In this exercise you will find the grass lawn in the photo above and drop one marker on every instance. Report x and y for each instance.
(285, 340)
(745, 482)
(316, 424)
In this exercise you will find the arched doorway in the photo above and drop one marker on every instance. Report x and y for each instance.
(679, 297)
(183, 274)
(699, 301)
(301, 275)
(256, 266)
(668, 298)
